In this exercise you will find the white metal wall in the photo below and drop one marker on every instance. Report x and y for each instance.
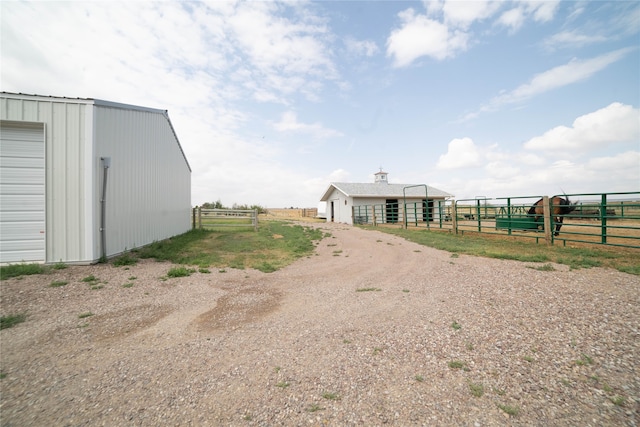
(149, 180)
(22, 192)
(67, 145)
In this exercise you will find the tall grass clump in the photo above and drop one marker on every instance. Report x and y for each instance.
(17, 270)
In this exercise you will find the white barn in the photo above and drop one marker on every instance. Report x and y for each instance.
(85, 179)
(344, 200)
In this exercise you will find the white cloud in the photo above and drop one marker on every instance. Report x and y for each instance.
(464, 13)
(289, 123)
(461, 153)
(573, 38)
(628, 161)
(542, 11)
(361, 47)
(420, 36)
(614, 124)
(512, 19)
(563, 75)
(446, 28)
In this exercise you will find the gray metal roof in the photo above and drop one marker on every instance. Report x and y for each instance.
(381, 189)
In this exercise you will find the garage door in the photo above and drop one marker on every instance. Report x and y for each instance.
(22, 192)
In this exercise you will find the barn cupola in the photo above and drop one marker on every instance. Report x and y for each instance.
(381, 177)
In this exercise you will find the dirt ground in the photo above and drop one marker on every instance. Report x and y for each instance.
(369, 330)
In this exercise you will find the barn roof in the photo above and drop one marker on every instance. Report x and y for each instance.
(382, 190)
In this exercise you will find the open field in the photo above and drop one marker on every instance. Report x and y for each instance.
(371, 329)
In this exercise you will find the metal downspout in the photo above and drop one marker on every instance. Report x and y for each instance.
(106, 163)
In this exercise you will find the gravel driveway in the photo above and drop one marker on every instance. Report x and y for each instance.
(369, 330)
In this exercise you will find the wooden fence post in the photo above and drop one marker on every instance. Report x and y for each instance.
(548, 233)
(193, 218)
(199, 218)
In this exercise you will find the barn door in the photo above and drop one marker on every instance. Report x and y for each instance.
(391, 210)
(427, 210)
(22, 192)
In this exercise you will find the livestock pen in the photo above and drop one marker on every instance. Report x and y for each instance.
(611, 219)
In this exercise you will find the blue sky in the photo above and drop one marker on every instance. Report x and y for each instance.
(272, 101)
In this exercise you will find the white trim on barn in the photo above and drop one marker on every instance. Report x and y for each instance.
(342, 197)
(148, 194)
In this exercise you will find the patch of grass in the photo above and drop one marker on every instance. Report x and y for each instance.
(406, 291)
(17, 270)
(368, 290)
(124, 259)
(477, 389)
(128, 285)
(506, 247)
(93, 282)
(238, 248)
(58, 283)
(12, 320)
(59, 266)
(528, 358)
(419, 378)
(469, 346)
(584, 360)
(180, 272)
(511, 410)
(618, 400)
(337, 253)
(266, 267)
(314, 407)
(456, 364)
(204, 270)
(455, 325)
(499, 391)
(85, 315)
(283, 384)
(331, 396)
(3, 375)
(545, 267)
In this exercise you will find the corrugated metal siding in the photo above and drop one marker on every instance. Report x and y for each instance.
(22, 192)
(149, 181)
(66, 187)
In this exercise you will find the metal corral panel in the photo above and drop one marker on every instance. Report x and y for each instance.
(149, 180)
(22, 192)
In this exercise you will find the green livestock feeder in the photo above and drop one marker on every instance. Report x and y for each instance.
(517, 222)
